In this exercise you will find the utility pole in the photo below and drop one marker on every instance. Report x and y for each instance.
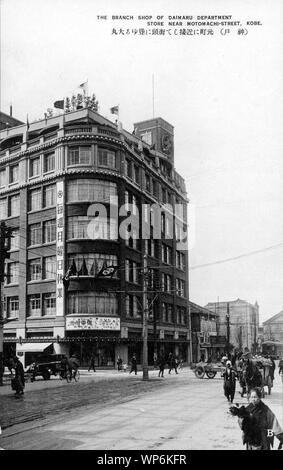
(145, 319)
(228, 327)
(5, 235)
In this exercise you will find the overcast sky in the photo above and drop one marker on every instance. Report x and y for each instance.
(222, 93)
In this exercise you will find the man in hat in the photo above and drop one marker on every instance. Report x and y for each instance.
(229, 382)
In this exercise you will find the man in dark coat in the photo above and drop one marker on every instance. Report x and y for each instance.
(19, 377)
(161, 362)
(91, 365)
(134, 364)
(229, 382)
(172, 363)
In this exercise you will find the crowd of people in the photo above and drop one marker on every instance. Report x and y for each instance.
(257, 421)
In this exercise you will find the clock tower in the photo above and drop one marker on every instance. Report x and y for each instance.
(158, 133)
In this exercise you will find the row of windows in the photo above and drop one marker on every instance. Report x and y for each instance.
(167, 314)
(92, 303)
(83, 156)
(42, 268)
(37, 305)
(91, 190)
(98, 303)
(46, 163)
(42, 233)
(10, 207)
(38, 269)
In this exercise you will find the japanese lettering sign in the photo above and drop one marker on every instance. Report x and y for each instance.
(92, 323)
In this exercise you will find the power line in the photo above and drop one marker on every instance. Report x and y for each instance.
(234, 258)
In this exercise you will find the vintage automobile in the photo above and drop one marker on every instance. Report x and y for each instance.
(209, 369)
(46, 365)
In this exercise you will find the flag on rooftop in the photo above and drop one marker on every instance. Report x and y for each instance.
(114, 110)
(59, 104)
(27, 123)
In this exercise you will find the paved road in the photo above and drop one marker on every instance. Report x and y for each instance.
(122, 412)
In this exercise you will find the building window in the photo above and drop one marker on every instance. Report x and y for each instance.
(87, 227)
(35, 199)
(132, 271)
(49, 162)
(89, 264)
(106, 158)
(49, 304)
(147, 137)
(34, 269)
(97, 303)
(15, 240)
(166, 254)
(90, 190)
(2, 178)
(3, 209)
(14, 174)
(180, 260)
(34, 305)
(166, 283)
(49, 196)
(133, 309)
(12, 273)
(136, 174)
(13, 307)
(49, 267)
(167, 315)
(49, 231)
(128, 168)
(147, 183)
(155, 188)
(79, 156)
(180, 287)
(34, 167)
(14, 206)
(34, 234)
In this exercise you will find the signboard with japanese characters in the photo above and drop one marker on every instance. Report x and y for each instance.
(92, 323)
(60, 249)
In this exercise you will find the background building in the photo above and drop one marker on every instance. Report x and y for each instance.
(273, 335)
(243, 322)
(52, 173)
(207, 344)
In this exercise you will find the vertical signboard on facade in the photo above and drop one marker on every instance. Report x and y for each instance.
(60, 220)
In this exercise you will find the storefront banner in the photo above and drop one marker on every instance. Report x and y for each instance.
(93, 323)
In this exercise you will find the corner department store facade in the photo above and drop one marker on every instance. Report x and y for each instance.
(50, 174)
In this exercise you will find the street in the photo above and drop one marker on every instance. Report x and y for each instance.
(110, 410)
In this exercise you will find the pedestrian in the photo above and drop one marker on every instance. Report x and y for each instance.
(273, 367)
(18, 382)
(280, 366)
(172, 363)
(258, 423)
(161, 363)
(134, 364)
(119, 363)
(91, 364)
(229, 385)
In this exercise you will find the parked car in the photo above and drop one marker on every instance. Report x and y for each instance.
(47, 365)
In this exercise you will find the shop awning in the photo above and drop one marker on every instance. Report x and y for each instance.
(33, 347)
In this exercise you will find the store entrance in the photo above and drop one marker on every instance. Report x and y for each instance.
(104, 354)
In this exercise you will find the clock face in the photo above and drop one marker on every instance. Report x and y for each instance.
(166, 143)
